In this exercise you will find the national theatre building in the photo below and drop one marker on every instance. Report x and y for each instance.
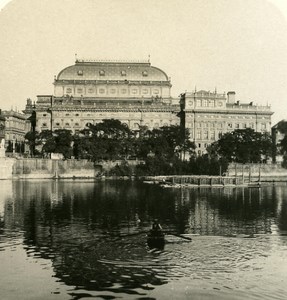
(139, 94)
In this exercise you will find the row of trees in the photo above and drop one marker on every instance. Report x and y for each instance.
(243, 146)
(167, 150)
(111, 140)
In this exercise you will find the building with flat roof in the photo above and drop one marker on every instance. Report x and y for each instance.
(208, 115)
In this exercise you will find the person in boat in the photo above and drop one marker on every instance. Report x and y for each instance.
(156, 226)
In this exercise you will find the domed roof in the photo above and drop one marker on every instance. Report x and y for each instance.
(112, 70)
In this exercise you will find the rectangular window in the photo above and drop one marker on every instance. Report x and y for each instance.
(212, 135)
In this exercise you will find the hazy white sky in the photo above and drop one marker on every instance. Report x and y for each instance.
(233, 45)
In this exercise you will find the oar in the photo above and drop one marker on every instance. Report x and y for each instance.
(181, 236)
(133, 234)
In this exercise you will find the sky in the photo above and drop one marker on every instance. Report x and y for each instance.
(230, 45)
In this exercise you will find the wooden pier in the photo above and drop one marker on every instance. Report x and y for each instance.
(193, 180)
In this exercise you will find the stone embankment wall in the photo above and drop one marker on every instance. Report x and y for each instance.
(258, 172)
(33, 168)
(6, 167)
(108, 165)
(46, 168)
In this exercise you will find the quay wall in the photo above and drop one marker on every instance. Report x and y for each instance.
(37, 168)
(6, 167)
(30, 168)
(258, 172)
(108, 165)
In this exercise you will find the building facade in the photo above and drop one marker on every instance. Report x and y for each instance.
(16, 126)
(2, 126)
(135, 93)
(139, 94)
(208, 115)
(277, 136)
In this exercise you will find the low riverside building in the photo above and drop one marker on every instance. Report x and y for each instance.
(208, 115)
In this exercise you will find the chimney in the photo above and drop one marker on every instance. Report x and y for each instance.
(231, 97)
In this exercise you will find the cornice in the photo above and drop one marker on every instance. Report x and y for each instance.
(111, 82)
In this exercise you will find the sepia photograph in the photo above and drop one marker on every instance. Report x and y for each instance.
(143, 149)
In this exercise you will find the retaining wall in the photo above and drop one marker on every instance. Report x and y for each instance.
(34, 168)
(258, 172)
(6, 167)
(30, 168)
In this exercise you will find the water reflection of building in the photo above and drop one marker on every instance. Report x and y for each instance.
(228, 211)
(6, 202)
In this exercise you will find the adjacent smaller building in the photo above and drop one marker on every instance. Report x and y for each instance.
(208, 115)
(277, 137)
(2, 126)
(15, 128)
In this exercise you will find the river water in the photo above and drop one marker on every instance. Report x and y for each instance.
(87, 240)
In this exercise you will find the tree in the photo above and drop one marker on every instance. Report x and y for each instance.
(58, 141)
(32, 140)
(109, 139)
(167, 142)
(243, 146)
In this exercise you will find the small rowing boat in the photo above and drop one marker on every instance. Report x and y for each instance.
(155, 237)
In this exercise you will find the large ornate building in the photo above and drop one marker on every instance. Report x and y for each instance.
(136, 93)
(139, 94)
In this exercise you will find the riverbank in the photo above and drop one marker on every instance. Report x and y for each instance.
(237, 175)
